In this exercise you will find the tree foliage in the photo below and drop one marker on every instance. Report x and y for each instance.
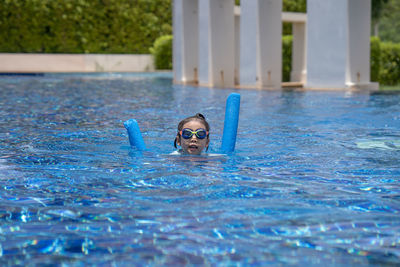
(377, 7)
(389, 22)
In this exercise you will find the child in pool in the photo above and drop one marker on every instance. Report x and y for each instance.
(193, 135)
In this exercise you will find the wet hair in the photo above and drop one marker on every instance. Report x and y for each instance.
(200, 117)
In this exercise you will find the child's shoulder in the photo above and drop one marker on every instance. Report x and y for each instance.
(180, 152)
(176, 152)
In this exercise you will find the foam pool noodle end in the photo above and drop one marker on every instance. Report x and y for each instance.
(135, 136)
(230, 123)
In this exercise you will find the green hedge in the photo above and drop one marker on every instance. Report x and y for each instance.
(390, 64)
(162, 52)
(385, 62)
(83, 26)
(375, 59)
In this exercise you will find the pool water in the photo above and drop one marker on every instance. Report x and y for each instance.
(314, 179)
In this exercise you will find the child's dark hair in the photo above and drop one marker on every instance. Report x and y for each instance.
(199, 117)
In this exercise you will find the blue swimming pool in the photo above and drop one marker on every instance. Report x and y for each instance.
(314, 179)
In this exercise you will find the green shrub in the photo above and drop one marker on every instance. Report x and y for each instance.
(287, 41)
(390, 64)
(375, 59)
(162, 52)
(83, 26)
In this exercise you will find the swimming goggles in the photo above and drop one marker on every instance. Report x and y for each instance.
(188, 133)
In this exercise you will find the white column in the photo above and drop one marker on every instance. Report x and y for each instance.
(185, 44)
(359, 49)
(204, 43)
(237, 44)
(338, 43)
(298, 73)
(216, 43)
(261, 43)
(327, 40)
(177, 46)
(248, 43)
(270, 43)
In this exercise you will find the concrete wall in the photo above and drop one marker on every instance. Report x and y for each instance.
(30, 63)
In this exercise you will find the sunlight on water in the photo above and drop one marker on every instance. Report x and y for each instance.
(314, 178)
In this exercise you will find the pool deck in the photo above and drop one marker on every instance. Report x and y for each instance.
(36, 63)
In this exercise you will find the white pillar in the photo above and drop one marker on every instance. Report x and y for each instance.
(359, 48)
(237, 44)
(261, 43)
(216, 43)
(298, 73)
(185, 43)
(248, 43)
(327, 38)
(338, 43)
(270, 43)
(204, 43)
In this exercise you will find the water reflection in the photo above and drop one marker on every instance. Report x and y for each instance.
(300, 188)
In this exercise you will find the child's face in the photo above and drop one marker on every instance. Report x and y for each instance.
(193, 145)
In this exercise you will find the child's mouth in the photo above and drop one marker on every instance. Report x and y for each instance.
(193, 147)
